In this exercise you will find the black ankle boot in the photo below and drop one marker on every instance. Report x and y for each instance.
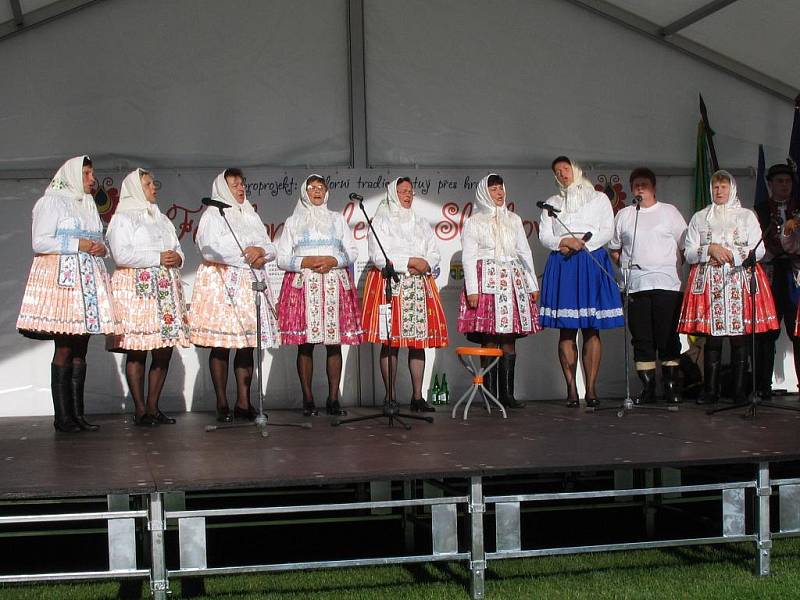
(309, 410)
(712, 362)
(60, 387)
(739, 373)
(505, 381)
(648, 393)
(421, 405)
(78, 380)
(672, 391)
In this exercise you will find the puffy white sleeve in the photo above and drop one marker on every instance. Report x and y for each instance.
(692, 249)
(616, 238)
(430, 248)
(753, 229)
(525, 256)
(43, 231)
(286, 259)
(176, 243)
(604, 217)
(469, 257)
(546, 236)
(215, 241)
(124, 250)
(350, 254)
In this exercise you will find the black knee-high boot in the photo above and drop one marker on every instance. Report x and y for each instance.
(739, 356)
(60, 384)
(77, 381)
(712, 361)
(672, 390)
(648, 393)
(505, 376)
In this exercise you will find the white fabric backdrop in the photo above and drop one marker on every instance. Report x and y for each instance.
(444, 198)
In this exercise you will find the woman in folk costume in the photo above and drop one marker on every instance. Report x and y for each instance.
(576, 292)
(717, 298)
(68, 295)
(318, 301)
(417, 318)
(498, 304)
(223, 309)
(148, 293)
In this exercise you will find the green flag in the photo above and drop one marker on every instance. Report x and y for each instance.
(702, 170)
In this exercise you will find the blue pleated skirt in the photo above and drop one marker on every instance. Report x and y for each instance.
(576, 294)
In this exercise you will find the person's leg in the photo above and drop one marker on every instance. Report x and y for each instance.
(61, 385)
(740, 349)
(80, 346)
(641, 323)
(243, 372)
(159, 367)
(568, 357)
(305, 371)
(333, 368)
(506, 372)
(218, 365)
(666, 312)
(134, 375)
(590, 357)
(388, 360)
(490, 380)
(712, 362)
(416, 366)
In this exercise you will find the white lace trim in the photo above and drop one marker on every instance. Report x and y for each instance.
(575, 313)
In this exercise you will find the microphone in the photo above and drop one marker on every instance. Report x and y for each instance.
(548, 207)
(215, 203)
(586, 236)
(356, 197)
(637, 199)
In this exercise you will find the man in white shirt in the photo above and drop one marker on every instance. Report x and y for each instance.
(651, 246)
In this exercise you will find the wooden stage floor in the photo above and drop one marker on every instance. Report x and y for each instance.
(544, 437)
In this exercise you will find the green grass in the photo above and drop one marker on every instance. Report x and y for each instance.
(690, 572)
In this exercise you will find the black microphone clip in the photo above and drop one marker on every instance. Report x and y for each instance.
(215, 203)
(551, 210)
(356, 197)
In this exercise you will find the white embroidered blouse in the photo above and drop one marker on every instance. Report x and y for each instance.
(137, 240)
(60, 221)
(216, 243)
(338, 242)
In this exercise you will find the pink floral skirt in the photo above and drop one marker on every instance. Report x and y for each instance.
(67, 294)
(150, 305)
(319, 309)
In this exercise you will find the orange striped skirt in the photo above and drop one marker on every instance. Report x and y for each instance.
(417, 316)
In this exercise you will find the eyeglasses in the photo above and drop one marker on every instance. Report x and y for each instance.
(316, 188)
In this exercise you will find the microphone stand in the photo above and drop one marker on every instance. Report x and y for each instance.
(391, 410)
(754, 400)
(258, 287)
(628, 405)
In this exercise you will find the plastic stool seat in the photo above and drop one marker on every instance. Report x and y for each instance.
(466, 355)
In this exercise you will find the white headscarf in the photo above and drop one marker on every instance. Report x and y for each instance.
(722, 216)
(221, 192)
(68, 181)
(498, 218)
(391, 208)
(578, 193)
(309, 216)
(133, 198)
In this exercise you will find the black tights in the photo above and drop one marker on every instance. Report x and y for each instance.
(134, 374)
(305, 370)
(416, 366)
(70, 349)
(590, 357)
(242, 371)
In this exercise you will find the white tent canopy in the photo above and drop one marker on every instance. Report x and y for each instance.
(444, 83)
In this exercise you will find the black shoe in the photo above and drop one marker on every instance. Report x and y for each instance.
(163, 419)
(573, 403)
(249, 413)
(146, 420)
(224, 415)
(332, 407)
(505, 381)
(309, 410)
(648, 393)
(77, 383)
(60, 387)
(422, 405)
(592, 402)
(672, 392)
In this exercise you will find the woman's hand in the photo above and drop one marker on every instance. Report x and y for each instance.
(720, 254)
(472, 300)
(170, 258)
(535, 296)
(91, 247)
(418, 266)
(252, 254)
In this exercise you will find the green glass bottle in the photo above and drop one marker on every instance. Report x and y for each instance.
(444, 392)
(433, 392)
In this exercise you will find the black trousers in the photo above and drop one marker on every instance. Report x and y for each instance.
(653, 323)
